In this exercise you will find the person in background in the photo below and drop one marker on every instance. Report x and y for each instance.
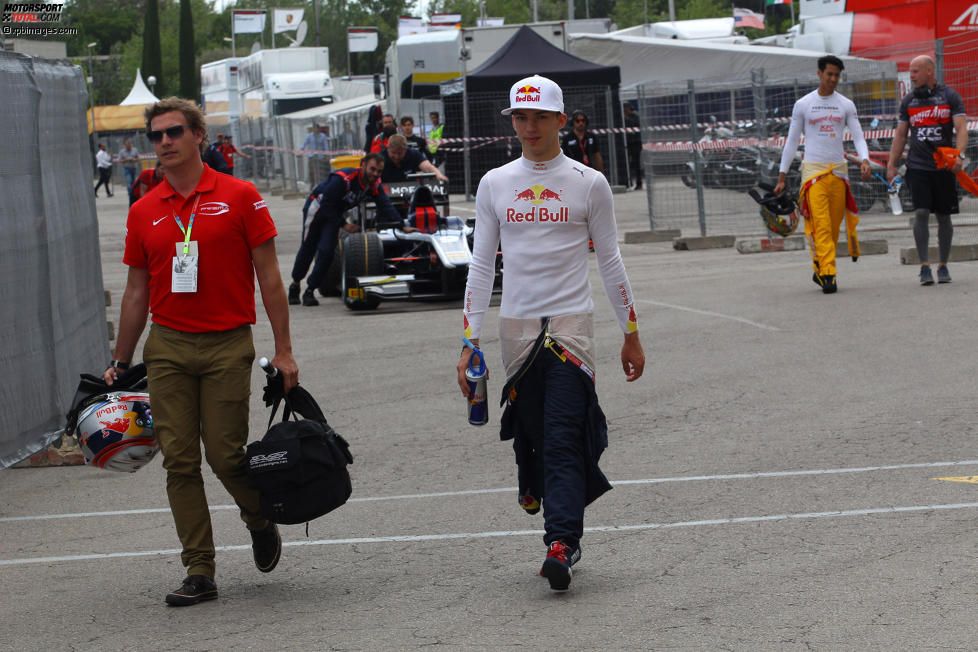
(148, 179)
(400, 161)
(103, 160)
(581, 145)
(413, 141)
(129, 157)
(825, 198)
(315, 146)
(933, 116)
(387, 129)
(323, 215)
(436, 133)
(633, 144)
(228, 152)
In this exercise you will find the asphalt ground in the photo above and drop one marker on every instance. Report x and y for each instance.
(775, 481)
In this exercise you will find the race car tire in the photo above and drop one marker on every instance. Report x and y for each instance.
(363, 255)
(333, 281)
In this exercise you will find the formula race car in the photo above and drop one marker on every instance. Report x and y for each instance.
(427, 260)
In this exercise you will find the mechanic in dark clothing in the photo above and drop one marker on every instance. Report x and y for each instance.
(633, 143)
(931, 116)
(580, 144)
(399, 161)
(323, 217)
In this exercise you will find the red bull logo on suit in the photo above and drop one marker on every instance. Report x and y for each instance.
(538, 194)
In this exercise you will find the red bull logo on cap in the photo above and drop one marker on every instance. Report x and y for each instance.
(526, 94)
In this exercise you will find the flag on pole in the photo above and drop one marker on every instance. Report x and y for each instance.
(777, 2)
(248, 21)
(287, 20)
(747, 18)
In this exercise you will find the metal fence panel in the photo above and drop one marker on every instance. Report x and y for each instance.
(53, 320)
(704, 148)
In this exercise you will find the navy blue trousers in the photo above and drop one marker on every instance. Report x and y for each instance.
(319, 243)
(551, 447)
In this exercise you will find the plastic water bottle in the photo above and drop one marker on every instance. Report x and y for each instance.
(896, 204)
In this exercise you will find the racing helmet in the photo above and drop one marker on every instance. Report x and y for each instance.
(115, 431)
(779, 212)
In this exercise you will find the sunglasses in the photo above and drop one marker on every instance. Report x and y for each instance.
(172, 133)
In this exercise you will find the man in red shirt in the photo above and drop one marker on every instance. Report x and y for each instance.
(194, 247)
(147, 180)
(387, 129)
(228, 150)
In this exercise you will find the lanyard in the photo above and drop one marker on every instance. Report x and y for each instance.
(190, 224)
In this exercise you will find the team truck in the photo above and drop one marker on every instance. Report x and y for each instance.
(267, 83)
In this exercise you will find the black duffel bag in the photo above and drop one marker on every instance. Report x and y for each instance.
(299, 466)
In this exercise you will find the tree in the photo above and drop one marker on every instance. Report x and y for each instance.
(189, 88)
(703, 9)
(152, 51)
(107, 22)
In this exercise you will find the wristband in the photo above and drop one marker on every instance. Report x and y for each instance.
(119, 364)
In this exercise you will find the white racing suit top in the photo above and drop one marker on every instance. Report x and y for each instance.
(543, 214)
(823, 121)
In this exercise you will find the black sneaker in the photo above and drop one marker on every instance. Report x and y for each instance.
(309, 297)
(294, 299)
(943, 276)
(926, 278)
(817, 279)
(828, 284)
(557, 566)
(195, 588)
(267, 547)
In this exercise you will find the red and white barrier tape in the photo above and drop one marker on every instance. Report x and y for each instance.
(775, 141)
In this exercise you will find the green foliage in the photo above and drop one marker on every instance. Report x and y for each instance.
(105, 21)
(189, 88)
(694, 9)
(628, 13)
(152, 50)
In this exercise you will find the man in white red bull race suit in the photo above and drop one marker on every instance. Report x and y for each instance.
(825, 197)
(543, 208)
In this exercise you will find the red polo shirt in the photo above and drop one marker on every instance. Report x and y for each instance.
(231, 220)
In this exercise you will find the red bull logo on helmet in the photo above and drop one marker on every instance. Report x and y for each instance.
(117, 425)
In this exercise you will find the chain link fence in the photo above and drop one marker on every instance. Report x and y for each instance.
(706, 144)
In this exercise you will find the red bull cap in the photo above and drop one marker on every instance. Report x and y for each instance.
(536, 92)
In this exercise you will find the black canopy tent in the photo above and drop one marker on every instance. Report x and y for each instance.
(587, 86)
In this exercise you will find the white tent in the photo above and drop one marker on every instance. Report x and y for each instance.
(139, 95)
(668, 63)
